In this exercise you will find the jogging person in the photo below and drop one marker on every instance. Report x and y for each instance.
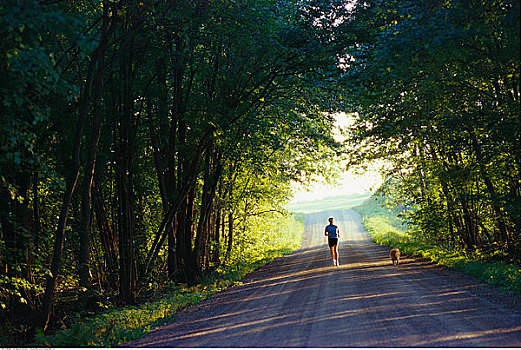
(333, 234)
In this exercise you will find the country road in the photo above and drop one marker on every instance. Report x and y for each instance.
(301, 300)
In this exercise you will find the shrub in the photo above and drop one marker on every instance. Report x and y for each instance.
(382, 226)
(124, 324)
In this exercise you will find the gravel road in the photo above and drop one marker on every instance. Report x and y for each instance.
(301, 300)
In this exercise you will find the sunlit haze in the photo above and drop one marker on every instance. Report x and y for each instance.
(349, 182)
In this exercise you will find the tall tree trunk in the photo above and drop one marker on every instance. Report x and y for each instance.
(217, 237)
(162, 176)
(451, 210)
(492, 192)
(204, 211)
(127, 259)
(126, 130)
(186, 195)
(230, 235)
(107, 237)
(211, 181)
(74, 169)
(86, 201)
(38, 229)
(470, 226)
(187, 268)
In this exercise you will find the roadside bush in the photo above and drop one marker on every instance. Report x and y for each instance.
(121, 325)
(381, 224)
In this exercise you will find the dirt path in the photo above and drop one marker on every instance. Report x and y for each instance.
(301, 300)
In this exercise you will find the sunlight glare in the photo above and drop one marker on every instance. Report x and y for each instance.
(350, 182)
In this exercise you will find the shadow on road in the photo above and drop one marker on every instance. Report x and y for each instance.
(302, 301)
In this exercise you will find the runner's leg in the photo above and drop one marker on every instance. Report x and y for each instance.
(332, 250)
(336, 253)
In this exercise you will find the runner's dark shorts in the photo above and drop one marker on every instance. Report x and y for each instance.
(332, 241)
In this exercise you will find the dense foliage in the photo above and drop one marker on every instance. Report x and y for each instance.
(145, 144)
(122, 324)
(436, 85)
(386, 228)
(142, 141)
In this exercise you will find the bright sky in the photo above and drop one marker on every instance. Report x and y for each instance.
(349, 182)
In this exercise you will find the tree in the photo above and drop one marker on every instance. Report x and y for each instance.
(180, 122)
(436, 85)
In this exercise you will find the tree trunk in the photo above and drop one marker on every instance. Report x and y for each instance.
(470, 231)
(72, 178)
(186, 194)
(492, 192)
(86, 201)
(211, 179)
(38, 229)
(126, 131)
(217, 241)
(187, 268)
(230, 235)
(127, 259)
(107, 237)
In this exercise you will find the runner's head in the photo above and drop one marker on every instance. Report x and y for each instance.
(331, 221)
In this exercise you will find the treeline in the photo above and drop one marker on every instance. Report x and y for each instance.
(436, 85)
(138, 137)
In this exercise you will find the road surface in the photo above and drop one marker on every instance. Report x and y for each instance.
(301, 300)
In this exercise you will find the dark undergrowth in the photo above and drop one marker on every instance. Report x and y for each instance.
(123, 324)
(97, 318)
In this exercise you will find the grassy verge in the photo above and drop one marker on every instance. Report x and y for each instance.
(124, 324)
(127, 323)
(385, 229)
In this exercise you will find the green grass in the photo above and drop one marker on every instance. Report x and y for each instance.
(124, 324)
(385, 229)
(120, 325)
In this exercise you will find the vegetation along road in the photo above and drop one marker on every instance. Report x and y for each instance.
(301, 300)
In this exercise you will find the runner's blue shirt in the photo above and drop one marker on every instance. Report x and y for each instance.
(332, 229)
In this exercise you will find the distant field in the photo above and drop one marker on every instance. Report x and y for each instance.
(329, 203)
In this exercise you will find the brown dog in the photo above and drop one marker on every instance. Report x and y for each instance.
(395, 256)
